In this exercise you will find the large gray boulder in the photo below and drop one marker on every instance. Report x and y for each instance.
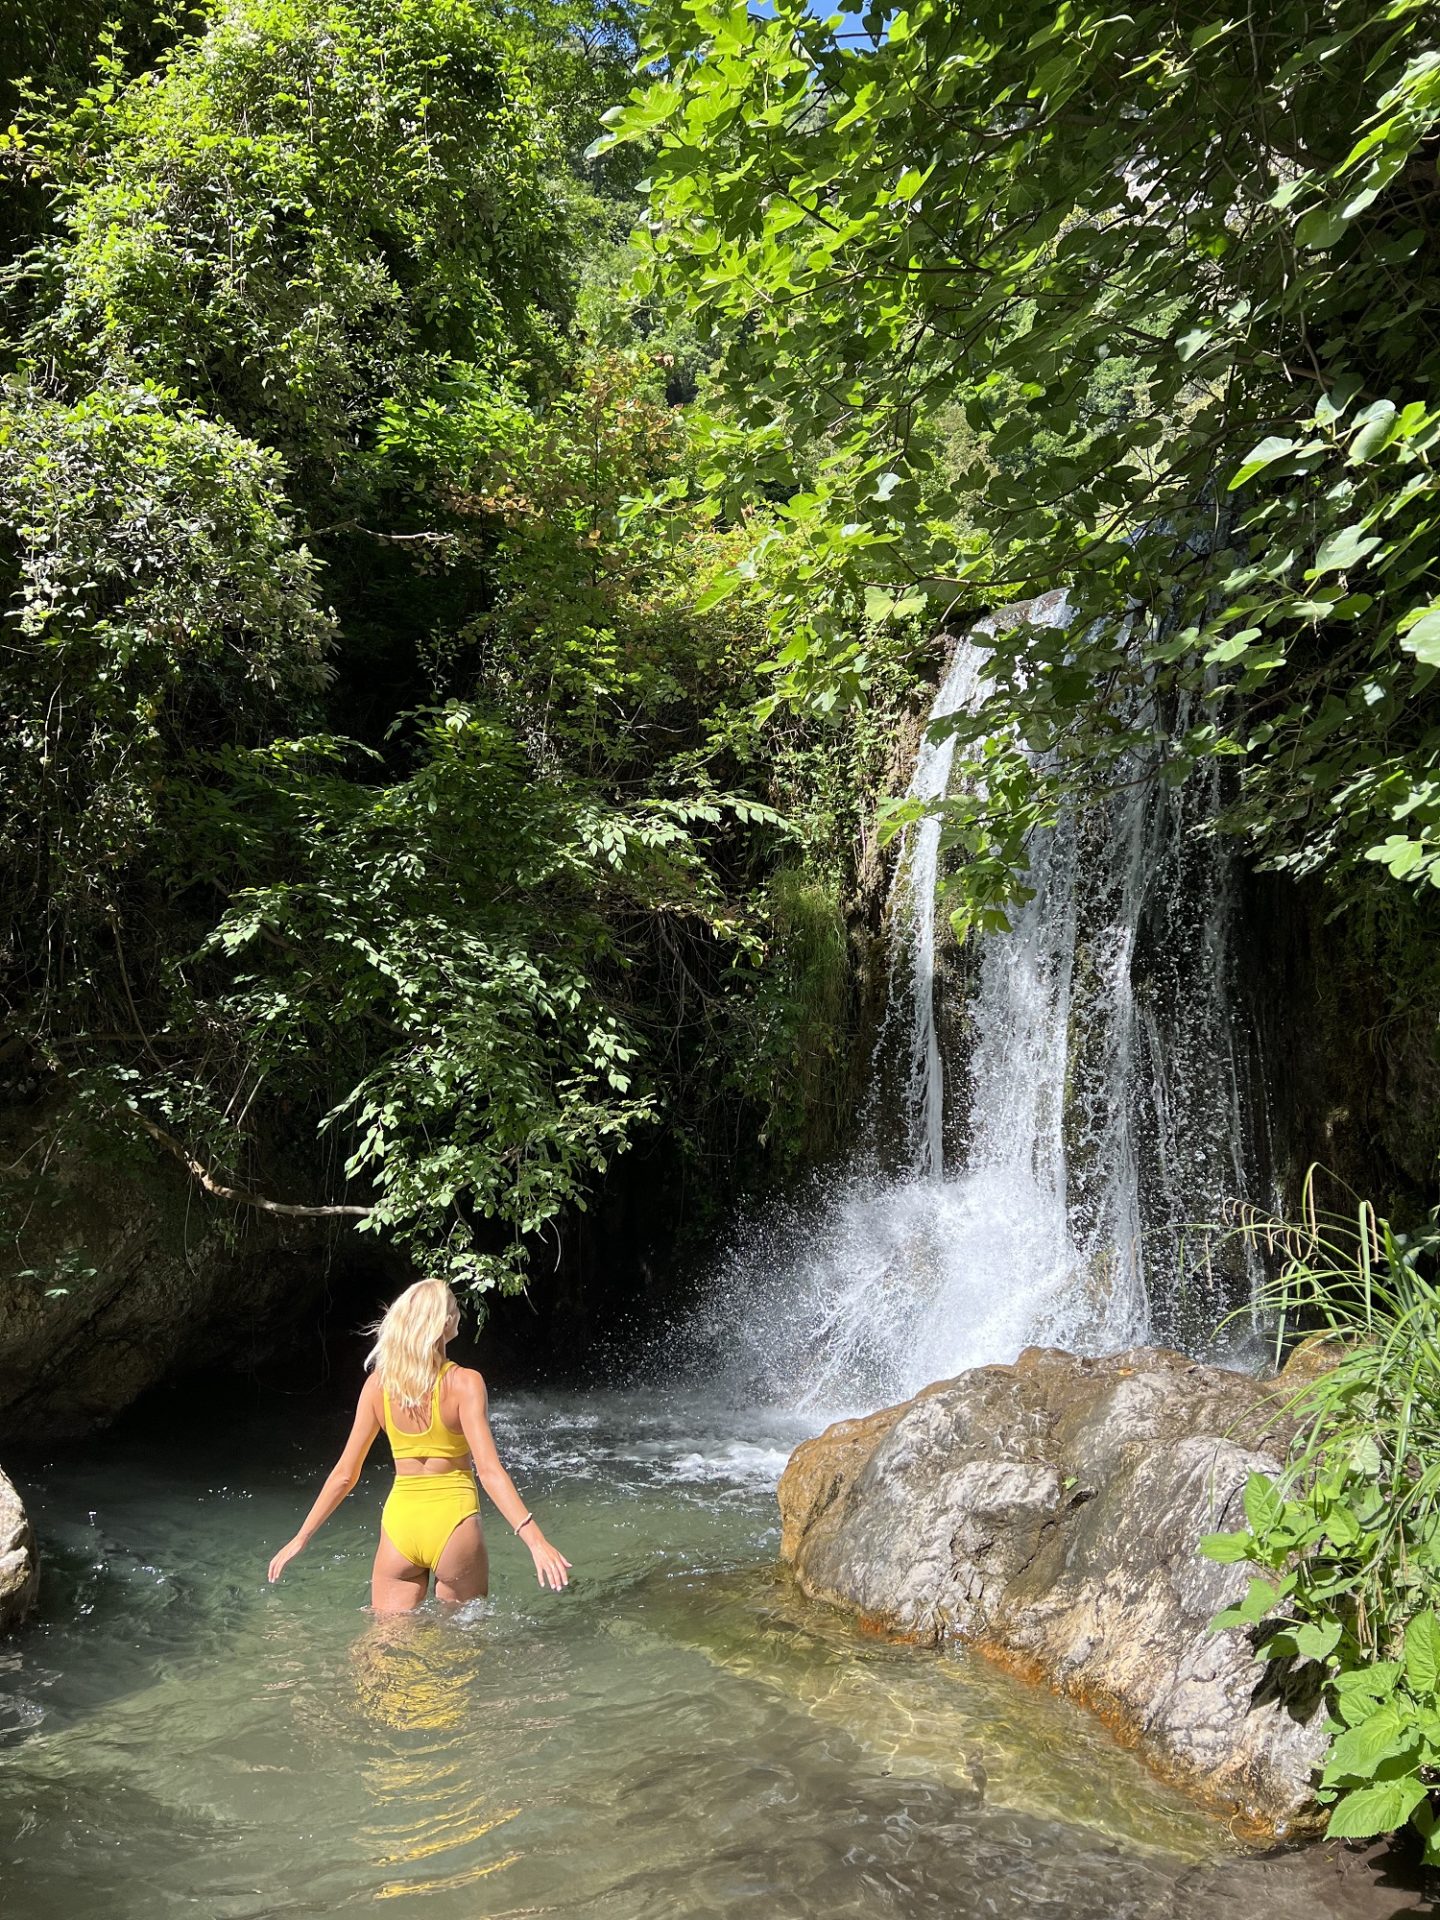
(19, 1563)
(1049, 1512)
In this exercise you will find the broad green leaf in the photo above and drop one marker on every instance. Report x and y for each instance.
(1259, 1601)
(1422, 1653)
(1316, 1642)
(1372, 429)
(1378, 1678)
(1339, 551)
(1378, 1809)
(1423, 638)
(1321, 227)
(1342, 1529)
(719, 590)
(1228, 1548)
(1263, 1505)
(1269, 450)
(1365, 1455)
(1400, 854)
(1360, 1749)
(1234, 647)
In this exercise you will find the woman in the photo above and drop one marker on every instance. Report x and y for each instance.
(433, 1413)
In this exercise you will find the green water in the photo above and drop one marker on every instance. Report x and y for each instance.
(679, 1735)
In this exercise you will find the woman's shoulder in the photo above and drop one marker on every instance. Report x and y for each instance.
(467, 1379)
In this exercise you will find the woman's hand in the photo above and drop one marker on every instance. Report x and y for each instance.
(283, 1558)
(552, 1569)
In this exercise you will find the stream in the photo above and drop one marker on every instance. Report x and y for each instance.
(679, 1735)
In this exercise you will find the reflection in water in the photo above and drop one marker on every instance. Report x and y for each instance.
(414, 1671)
(421, 1674)
(678, 1737)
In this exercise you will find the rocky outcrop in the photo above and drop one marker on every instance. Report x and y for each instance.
(19, 1562)
(119, 1273)
(1049, 1512)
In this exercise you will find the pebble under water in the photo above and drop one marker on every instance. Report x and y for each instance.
(679, 1735)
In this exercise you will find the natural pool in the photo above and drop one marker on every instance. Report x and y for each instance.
(680, 1735)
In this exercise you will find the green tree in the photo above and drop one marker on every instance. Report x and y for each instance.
(303, 210)
(391, 786)
(943, 212)
(160, 604)
(1345, 1544)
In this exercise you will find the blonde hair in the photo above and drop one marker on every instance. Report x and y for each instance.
(409, 1341)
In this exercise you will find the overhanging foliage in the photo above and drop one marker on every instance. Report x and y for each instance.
(986, 214)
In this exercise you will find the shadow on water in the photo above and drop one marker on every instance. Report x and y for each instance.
(137, 1530)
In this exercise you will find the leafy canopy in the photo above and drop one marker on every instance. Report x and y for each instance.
(299, 210)
(946, 211)
(373, 776)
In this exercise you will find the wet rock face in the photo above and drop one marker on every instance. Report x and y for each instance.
(1050, 1512)
(120, 1276)
(19, 1563)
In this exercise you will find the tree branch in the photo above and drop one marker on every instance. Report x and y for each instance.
(292, 1210)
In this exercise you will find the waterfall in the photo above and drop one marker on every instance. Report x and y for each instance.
(1066, 1106)
(913, 918)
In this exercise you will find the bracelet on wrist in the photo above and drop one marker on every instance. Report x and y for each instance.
(523, 1524)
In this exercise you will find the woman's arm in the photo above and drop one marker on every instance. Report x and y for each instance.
(339, 1481)
(552, 1569)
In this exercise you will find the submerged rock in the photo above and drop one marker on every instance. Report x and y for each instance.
(1050, 1512)
(19, 1562)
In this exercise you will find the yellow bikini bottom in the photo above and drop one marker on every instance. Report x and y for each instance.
(423, 1510)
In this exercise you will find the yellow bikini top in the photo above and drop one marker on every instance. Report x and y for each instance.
(437, 1441)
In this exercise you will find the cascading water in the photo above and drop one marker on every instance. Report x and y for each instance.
(1094, 1096)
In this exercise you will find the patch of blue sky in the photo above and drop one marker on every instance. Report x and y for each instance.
(851, 24)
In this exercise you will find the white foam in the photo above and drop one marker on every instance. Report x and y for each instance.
(742, 1463)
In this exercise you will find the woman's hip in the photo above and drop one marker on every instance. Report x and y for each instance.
(423, 1511)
